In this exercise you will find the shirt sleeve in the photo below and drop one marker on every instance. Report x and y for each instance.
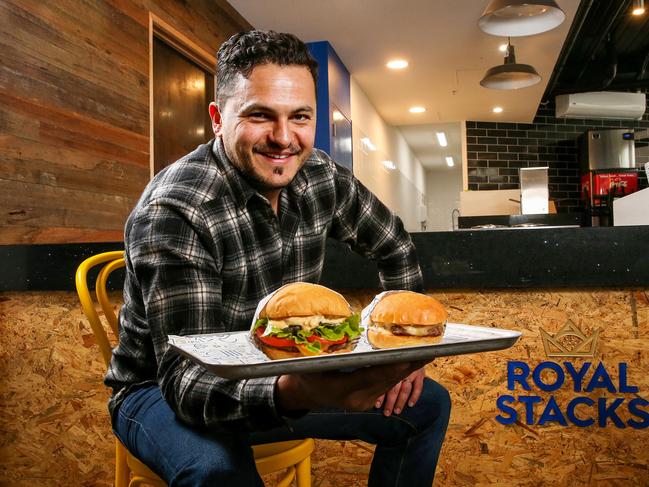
(372, 230)
(177, 267)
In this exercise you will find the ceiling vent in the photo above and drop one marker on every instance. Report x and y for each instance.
(601, 105)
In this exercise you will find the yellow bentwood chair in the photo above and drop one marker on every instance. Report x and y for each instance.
(292, 456)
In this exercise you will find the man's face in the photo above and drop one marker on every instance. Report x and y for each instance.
(268, 124)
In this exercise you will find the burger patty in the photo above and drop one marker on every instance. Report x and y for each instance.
(341, 346)
(261, 344)
(426, 331)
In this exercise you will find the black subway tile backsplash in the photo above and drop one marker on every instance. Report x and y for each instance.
(487, 186)
(498, 163)
(511, 126)
(476, 148)
(507, 140)
(507, 156)
(487, 140)
(497, 150)
(487, 155)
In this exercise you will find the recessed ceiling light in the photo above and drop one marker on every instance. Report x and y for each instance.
(449, 161)
(416, 109)
(497, 109)
(441, 138)
(638, 7)
(397, 64)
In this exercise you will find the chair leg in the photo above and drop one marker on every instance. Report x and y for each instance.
(138, 481)
(287, 480)
(304, 472)
(122, 473)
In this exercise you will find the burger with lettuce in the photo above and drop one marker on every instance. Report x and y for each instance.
(303, 319)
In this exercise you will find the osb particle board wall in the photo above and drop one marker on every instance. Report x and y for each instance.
(74, 110)
(55, 428)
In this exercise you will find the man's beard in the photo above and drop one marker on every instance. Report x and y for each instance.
(257, 181)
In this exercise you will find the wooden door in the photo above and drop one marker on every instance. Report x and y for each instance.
(182, 91)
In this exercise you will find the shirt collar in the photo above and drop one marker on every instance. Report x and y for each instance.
(239, 187)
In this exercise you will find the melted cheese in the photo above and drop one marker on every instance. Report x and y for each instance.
(410, 330)
(416, 330)
(307, 322)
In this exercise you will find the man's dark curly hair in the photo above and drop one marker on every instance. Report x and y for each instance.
(244, 51)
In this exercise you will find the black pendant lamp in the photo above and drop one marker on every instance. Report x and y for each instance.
(510, 75)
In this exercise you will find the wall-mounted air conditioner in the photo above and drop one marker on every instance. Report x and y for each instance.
(601, 105)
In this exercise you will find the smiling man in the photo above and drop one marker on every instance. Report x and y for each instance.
(268, 125)
(214, 233)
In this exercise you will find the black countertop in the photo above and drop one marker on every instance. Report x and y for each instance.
(523, 258)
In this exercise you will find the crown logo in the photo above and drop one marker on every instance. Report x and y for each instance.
(569, 341)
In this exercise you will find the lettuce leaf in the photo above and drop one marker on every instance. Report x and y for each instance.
(335, 331)
(259, 323)
(330, 331)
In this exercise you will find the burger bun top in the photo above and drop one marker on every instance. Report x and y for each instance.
(305, 299)
(409, 308)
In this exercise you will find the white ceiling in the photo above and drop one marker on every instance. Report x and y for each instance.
(423, 141)
(447, 52)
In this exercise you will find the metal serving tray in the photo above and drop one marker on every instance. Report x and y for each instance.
(234, 356)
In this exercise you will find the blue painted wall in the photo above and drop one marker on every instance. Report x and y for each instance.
(333, 93)
(320, 51)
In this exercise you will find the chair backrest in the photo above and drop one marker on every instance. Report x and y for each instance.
(111, 261)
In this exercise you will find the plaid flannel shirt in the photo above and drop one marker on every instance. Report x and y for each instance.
(202, 249)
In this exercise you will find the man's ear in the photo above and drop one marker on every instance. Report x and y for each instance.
(215, 115)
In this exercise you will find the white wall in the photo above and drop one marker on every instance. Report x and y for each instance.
(443, 196)
(403, 189)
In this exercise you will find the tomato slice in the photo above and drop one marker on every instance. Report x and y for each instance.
(274, 341)
(324, 341)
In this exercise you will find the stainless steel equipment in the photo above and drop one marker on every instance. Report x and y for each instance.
(607, 149)
(534, 190)
(607, 163)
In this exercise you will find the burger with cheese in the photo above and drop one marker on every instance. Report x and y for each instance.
(405, 319)
(302, 319)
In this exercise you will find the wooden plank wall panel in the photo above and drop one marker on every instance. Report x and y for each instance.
(74, 110)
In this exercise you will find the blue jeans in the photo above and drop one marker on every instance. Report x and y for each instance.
(407, 445)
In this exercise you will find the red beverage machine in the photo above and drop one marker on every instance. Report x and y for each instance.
(607, 162)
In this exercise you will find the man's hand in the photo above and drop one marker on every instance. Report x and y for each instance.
(409, 389)
(355, 391)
